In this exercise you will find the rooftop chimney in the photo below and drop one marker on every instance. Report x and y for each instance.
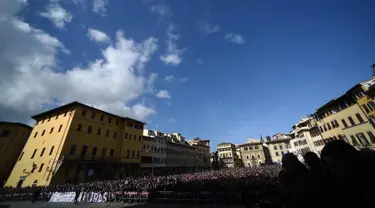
(373, 70)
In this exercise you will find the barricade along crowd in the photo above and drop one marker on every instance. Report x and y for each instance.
(342, 177)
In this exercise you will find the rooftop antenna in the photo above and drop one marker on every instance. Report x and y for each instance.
(373, 70)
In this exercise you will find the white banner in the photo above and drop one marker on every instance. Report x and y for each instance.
(63, 197)
(90, 197)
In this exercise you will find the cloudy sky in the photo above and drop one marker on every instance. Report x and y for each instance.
(220, 70)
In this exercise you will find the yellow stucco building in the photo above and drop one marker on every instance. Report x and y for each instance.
(346, 118)
(76, 143)
(13, 137)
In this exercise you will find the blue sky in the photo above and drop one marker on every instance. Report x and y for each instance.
(219, 70)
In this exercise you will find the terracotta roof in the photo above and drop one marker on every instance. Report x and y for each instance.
(69, 105)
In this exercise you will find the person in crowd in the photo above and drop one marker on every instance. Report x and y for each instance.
(294, 181)
(36, 194)
(346, 170)
(78, 191)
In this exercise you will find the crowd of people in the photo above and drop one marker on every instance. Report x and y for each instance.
(341, 177)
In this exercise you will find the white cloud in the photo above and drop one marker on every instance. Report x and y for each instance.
(161, 9)
(99, 7)
(30, 81)
(163, 94)
(58, 15)
(173, 55)
(207, 28)
(171, 78)
(98, 36)
(235, 38)
(199, 61)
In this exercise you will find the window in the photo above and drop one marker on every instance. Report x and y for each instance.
(359, 117)
(84, 150)
(371, 135)
(21, 155)
(32, 156)
(247, 157)
(101, 117)
(371, 105)
(245, 148)
(104, 150)
(51, 151)
(65, 113)
(44, 131)
(333, 124)
(364, 106)
(354, 140)
(36, 133)
(129, 124)
(277, 153)
(281, 147)
(109, 120)
(126, 135)
(93, 115)
(94, 150)
(79, 127)
(127, 153)
(89, 129)
(51, 130)
(251, 148)
(275, 148)
(362, 139)
(336, 123)
(49, 118)
(133, 154)
(57, 116)
(138, 154)
(33, 169)
(98, 132)
(321, 129)
(107, 133)
(42, 153)
(112, 152)
(334, 138)
(351, 120)
(344, 123)
(258, 155)
(117, 122)
(41, 167)
(135, 137)
(115, 134)
(256, 147)
(140, 138)
(60, 128)
(83, 113)
(73, 149)
(329, 126)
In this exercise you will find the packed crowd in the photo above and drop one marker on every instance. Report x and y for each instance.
(341, 177)
(208, 180)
